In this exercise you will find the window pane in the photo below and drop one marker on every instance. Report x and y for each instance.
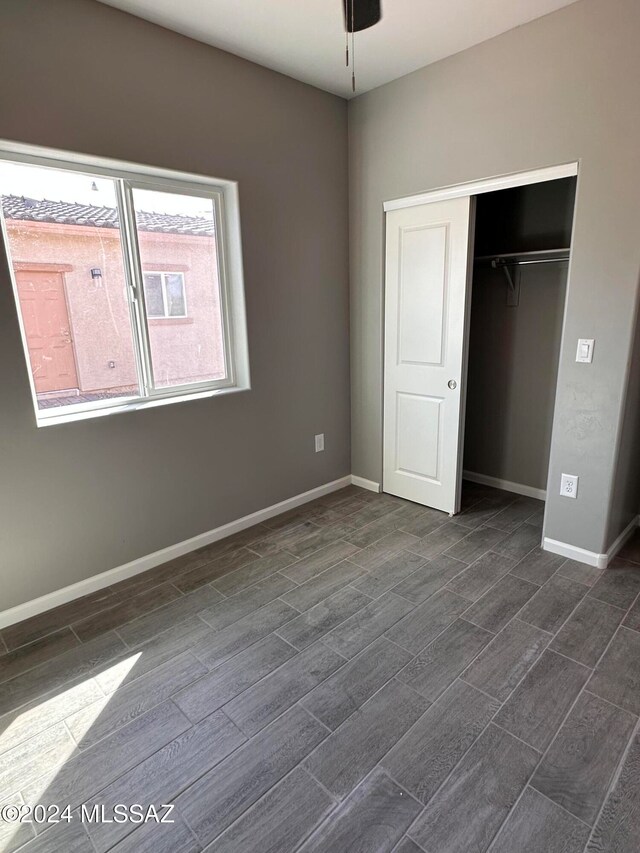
(177, 232)
(65, 247)
(153, 295)
(175, 295)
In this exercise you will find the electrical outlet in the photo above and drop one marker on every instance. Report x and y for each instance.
(569, 486)
(320, 442)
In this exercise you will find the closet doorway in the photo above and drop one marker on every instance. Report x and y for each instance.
(475, 293)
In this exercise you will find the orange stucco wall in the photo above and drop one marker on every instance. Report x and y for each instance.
(183, 350)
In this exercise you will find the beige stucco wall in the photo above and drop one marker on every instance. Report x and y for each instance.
(98, 314)
(183, 350)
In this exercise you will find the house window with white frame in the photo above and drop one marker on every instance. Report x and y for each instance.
(164, 294)
(128, 282)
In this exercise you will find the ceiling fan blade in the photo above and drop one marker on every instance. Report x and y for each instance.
(366, 13)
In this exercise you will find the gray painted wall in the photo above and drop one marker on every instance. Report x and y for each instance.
(77, 499)
(513, 366)
(626, 494)
(559, 89)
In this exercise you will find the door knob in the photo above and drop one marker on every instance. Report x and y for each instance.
(452, 384)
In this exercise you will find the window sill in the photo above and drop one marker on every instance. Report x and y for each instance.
(135, 405)
(170, 321)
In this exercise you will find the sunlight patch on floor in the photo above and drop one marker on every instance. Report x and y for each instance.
(37, 735)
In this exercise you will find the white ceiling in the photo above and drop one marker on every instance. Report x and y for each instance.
(305, 38)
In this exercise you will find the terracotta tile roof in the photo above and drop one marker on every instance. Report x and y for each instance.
(73, 213)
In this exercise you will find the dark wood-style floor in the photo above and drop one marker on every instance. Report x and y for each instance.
(360, 674)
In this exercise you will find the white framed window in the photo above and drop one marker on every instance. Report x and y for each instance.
(164, 294)
(128, 282)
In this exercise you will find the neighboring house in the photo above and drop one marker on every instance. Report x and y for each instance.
(71, 282)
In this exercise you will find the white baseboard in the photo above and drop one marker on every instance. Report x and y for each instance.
(627, 533)
(150, 561)
(505, 485)
(572, 552)
(365, 484)
(591, 558)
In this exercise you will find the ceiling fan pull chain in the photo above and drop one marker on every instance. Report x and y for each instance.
(358, 15)
(353, 66)
(353, 50)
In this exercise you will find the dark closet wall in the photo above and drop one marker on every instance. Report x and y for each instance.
(514, 351)
(525, 219)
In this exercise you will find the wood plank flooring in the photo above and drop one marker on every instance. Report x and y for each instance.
(360, 674)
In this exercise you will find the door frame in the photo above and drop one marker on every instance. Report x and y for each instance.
(61, 269)
(487, 185)
(570, 169)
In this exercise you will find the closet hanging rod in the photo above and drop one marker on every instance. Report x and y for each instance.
(545, 256)
(500, 262)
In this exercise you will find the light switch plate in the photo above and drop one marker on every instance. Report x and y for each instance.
(584, 354)
(320, 443)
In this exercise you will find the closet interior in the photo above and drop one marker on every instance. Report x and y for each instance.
(521, 260)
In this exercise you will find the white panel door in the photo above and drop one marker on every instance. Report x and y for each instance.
(426, 317)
